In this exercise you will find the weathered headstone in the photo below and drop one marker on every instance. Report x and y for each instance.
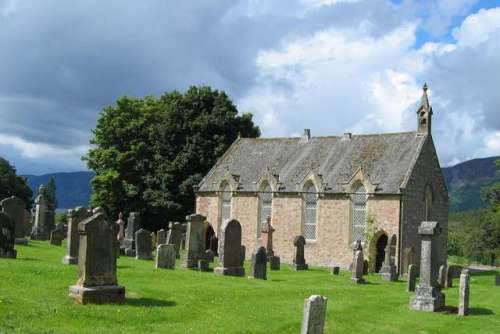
(44, 216)
(75, 216)
(161, 237)
(259, 264)
(275, 263)
(143, 245)
(174, 235)
(14, 207)
(165, 256)
(267, 237)
(388, 272)
(449, 277)
(7, 236)
(463, 293)
(335, 270)
(153, 241)
(194, 241)
(230, 249)
(120, 236)
(313, 321)
(357, 267)
(56, 237)
(209, 255)
(428, 297)
(133, 225)
(299, 261)
(442, 276)
(412, 278)
(97, 282)
(203, 265)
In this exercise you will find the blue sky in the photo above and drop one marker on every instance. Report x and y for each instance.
(332, 66)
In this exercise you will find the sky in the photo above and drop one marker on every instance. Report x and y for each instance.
(333, 66)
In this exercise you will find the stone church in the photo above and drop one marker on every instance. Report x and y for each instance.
(333, 190)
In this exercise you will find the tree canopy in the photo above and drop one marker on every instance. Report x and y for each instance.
(13, 185)
(150, 153)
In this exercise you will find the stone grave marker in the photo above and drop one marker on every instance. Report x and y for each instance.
(266, 235)
(313, 321)
(442, 276)
(44, 216)
(161, 237)
(463, 293)
(14, 207)
(412, 278)
(174, 235)
(275, 263)
(56, 237)
(299, 261)
(165, 256)
(448, 277)
(230, 250)
(143, 245)
(75, 216)
(7, 236)
(203, 265)
(195, 248)
(388, 272)
(335, 270)
(259, 264)
(133, 225)
(357, 266)
(97, 282)
(428, 297)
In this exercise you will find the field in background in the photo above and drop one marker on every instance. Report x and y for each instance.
(34, 288)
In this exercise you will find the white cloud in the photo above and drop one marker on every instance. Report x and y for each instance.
(478, 28)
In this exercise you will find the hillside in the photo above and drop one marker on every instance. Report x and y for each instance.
(73, 189)
(464, 182)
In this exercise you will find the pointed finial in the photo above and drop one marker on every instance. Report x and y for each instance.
(425, 87)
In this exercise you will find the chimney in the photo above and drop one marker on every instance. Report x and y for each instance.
(306, 136)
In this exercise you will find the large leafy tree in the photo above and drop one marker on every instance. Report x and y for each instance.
(150, 153)
(12, 184)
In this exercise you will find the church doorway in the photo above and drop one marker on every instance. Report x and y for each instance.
(379, 259)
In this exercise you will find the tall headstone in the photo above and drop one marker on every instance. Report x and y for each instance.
(174, 234)
(120, 236)
(230, 249)
(449, 277)
(153, 241)
(412, 278)
(428, 297)
(266, 237)
(194, 241)
(56, 237)
(7, 236)
(165, 256)
(75, 216)
(313, 321)
(442, 276)
(97, 282)
(143, 245)
(161, 237)
(14, 207)
(44, 217)
(408, 258)
(463, 293)
(299, 261)
(357, 266)
(133, 225)
(259, 264)
(388, 272)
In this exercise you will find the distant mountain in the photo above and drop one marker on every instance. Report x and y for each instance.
(73, 189)
(464, 182)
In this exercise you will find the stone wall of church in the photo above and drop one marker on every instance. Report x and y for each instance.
(426, 171)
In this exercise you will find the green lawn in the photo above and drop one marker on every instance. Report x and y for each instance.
(34, 299)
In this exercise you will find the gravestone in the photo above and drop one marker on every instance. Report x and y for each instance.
(120, 236)
(203, 265)
(357, 266)
(165, 256)
(14, 207)
(275, 263)
(412, 278)
(463, 293)
(243, 254)
(408, 258)
(44, 216)
(97, 282)
(56, 237)
(428, 297)
(259, 264)
(209, 255)
(75, 216)
(335, 270)
(161, 237)
(267, 237)
(442, 276)
(195, 248)
(299, 261)
(7, 236)
(133, 225)
(313, 321)
(174, 235)
(448, 277)
(143, 245)
(230, 249)
(153, 241)
(388, 272)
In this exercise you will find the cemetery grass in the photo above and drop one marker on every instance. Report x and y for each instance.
(34, 299)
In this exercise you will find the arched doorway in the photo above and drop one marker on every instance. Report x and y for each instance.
(379, 259)
(209, 236)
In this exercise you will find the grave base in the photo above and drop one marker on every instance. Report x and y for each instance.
(21, 241)
(300, 266)
(70, 260)
(389, 273)
(358, 280)
(104, 294)
(10, 254)
(230, 271)
(427, 299)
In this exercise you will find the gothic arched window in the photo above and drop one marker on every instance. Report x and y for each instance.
(225, 200)
(311, 205)
(266, 203)
(359, 213)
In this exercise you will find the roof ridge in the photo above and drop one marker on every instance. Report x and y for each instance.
(332, 136)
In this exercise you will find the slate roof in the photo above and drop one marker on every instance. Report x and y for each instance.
(385, 160)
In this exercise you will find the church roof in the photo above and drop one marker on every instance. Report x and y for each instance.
(385, 161)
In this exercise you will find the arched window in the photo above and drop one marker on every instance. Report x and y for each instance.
(359, 213)
(226, 195)
(311, 204)
(266, 203)
(428, 202)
